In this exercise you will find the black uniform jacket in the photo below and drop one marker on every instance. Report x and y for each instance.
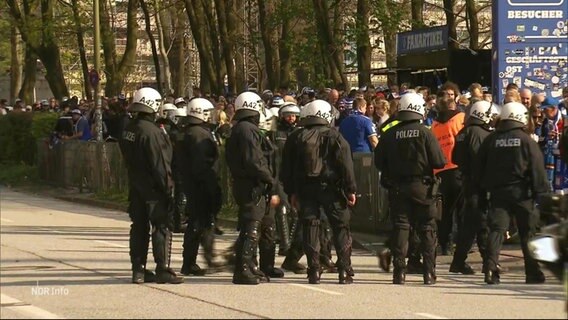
(249, 168)
(199, 155)
(408, 150)
(511, 157)
(467, 145)
(147, 152)
(339, 159)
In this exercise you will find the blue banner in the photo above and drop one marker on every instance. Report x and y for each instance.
(423, 40)
(530, 46)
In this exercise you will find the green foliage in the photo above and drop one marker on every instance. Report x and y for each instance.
(113, 195)
(18, 174)
(18, 134)
(43, 124)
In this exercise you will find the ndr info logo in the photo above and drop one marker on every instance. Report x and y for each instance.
(49, 291)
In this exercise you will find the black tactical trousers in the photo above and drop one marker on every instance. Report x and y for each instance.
(201, 210)
(267, 242)
(406, 211)
(281, 216)
(313, 204)
(473, 225)
(504, 203)
(246, 246)
(180, 199)
(450, 189)
(145, 215)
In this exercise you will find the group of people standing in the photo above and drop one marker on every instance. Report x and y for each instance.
(286, 158)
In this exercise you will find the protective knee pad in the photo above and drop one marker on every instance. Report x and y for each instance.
(248, 237)
(161, 246)
(311, 230)
(267, 234)
(282, 228)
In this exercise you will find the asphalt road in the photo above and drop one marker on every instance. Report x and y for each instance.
(65, 260)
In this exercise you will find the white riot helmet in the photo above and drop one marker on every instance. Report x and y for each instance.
(411, 107)
(169, 110)
(146, 100)
(267, 122)
(199, 110)
(515, 111)
(289, 108)
(180, 112)
(484, 111)
(248, 104)
(316, 112)
(277, 102)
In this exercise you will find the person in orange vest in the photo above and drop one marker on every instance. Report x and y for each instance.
(445, 128)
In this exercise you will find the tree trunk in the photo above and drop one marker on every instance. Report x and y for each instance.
(451, 22)
(155, 55)
(213, 37)
(42, 43)
(16, 65)
(82, 53)
(473, 21)
(116, 72)
(30, 76)
(163, 50)
(267, 32)
(417, 14)
(284, 47)
(390, 52)
(363, 43)
(327, 40)
(174, 31)
(197, 21)
(226, 19)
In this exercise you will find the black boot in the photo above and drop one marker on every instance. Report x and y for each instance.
(192, 269)
(492, 277)
(244, 276)
(246, 246)
(291, 262)
(399, 272)
(138, 274)
(267, 250)
(461, 268)
(190, 249)
(149, 276)
(167, 275)
(385, 259)
(429, 278)
(314, 276)
(345, 277)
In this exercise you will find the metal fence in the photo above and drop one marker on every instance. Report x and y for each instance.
(98, 167)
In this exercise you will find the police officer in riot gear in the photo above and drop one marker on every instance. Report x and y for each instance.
(407, 155)
(199, 156)
(478, 126)
(317, 174)
(267, 239)
(510, 167)
(287, 118)
(147, 153)
(252, 181)
(172, 122)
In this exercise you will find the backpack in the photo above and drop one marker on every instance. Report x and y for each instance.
(312, 146)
